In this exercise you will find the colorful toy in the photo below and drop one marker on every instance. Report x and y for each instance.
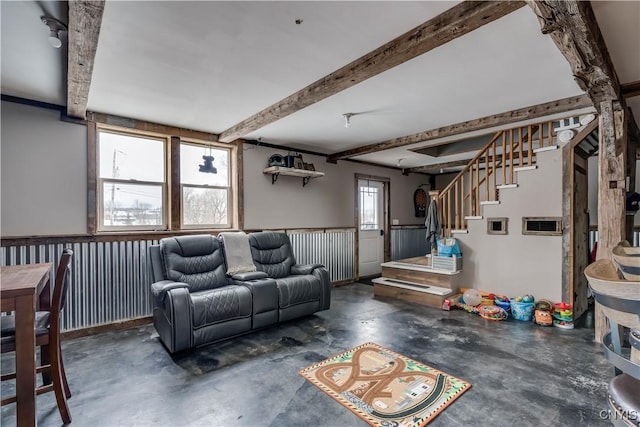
(491, 312)
(542, 318)
(472, 297)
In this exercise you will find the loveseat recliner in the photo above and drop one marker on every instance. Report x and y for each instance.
(302, 289)
(197, 303)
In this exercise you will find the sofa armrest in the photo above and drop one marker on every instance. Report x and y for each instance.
(160, 289)
(252, 275)
(304, 268)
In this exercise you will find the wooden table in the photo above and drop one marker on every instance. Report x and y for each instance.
(23, 286)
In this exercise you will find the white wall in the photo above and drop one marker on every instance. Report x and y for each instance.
(517, 264)
(44, 182)
(325, 202)
(44, 173)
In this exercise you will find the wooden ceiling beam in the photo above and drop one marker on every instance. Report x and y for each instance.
(574, 29)
(451, 24)
(509, 117)
(436, 167)
(629, 90)
(85, 18)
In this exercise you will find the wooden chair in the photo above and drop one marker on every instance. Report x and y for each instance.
(620, 301)
(48, 339)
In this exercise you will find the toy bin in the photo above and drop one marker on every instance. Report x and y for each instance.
(522, 310)
(505, 305)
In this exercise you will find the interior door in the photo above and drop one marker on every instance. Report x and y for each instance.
(371, 224)
(579, 236)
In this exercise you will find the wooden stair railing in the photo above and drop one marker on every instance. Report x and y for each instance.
(498, 160)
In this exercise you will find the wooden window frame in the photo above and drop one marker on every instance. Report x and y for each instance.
(556, 219)
(172, 211)
(165, 184)
(231, 194)
(505, 224)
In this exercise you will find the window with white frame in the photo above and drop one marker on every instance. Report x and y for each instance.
(205, 183)
(132, 185)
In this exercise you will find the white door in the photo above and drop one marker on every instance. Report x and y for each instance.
(371, 223)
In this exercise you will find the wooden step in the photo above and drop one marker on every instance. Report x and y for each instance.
(460, 231)
(505, 186)
(472, 217)
(490, 202)
(431, 296)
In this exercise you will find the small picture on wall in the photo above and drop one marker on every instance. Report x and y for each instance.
(298, 163)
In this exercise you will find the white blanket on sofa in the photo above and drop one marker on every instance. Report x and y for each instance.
(237, 253)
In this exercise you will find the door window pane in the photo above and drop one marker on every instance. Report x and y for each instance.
(369, 208)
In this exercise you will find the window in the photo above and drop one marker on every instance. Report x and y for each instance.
(206, 196)
(542, 226)
(132, 188)
(369, 208)
(160, 180)
(497, 225)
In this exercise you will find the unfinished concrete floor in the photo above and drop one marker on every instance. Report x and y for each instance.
(521, 374)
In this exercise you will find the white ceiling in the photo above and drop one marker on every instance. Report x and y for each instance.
(209, 65)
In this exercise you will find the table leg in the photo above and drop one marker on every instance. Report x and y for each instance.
(26, 361)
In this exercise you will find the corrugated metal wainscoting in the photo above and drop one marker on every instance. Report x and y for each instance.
(110, 281)
(335, 248)
(408, 241)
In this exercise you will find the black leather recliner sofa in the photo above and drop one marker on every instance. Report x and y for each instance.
(196, 303)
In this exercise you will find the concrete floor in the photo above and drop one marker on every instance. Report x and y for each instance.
(521, 374)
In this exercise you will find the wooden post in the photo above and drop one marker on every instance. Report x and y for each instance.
(632, 148)
(611, 189)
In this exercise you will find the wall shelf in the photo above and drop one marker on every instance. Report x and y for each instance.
(276, 171)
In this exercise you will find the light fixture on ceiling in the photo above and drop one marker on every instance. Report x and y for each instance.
(55, 27)
(347, 119)
(207, 166)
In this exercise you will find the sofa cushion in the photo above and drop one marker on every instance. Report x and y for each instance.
(294, 290)
(272, 253)
(195, 260)
(220, 304)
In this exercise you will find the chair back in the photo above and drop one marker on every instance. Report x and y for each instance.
(196, 260)
(60, 288)
(272, 253)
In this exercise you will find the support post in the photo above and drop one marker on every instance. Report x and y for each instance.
(612, 161)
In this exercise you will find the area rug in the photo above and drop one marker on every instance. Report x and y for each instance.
(385, 388)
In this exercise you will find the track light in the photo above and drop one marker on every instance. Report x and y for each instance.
(55, 27)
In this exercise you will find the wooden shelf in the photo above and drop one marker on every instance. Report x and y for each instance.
(276, 171)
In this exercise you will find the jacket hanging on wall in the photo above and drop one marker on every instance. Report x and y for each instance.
(432, 224)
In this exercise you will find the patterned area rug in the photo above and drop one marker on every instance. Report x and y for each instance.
(385, 388)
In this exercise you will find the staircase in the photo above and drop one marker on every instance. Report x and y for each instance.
(494, 169)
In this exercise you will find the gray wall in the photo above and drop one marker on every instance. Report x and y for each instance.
(44, 182)
(517, 264)
(325, 202)
(44, 173)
